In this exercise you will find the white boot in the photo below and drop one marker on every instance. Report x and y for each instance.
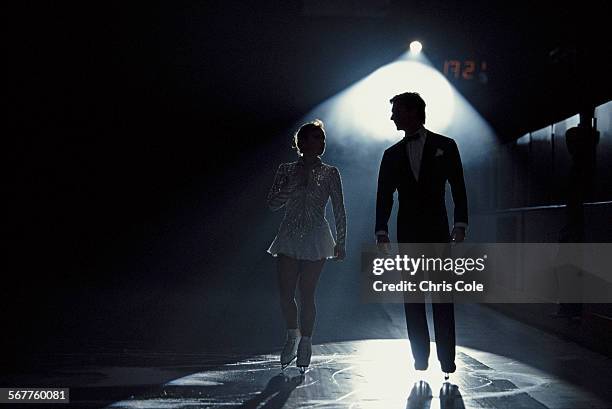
(290, 349)
(304, 354)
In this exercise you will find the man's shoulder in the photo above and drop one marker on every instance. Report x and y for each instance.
(440, 139)
(396, 147)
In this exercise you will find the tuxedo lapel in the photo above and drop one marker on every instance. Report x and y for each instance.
(406, 162)
(427, 157)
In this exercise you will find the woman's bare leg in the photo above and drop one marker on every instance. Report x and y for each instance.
(288, 271)
(309, 277)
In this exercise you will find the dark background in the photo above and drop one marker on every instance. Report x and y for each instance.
(142, 139)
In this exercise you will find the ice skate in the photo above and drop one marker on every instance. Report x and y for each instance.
(304, 354)
(290, 349)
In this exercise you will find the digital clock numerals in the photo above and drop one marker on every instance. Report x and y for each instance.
(467, 70)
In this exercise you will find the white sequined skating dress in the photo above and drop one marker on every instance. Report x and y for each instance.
(304, 233)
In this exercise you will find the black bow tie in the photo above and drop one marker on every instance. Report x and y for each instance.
(412, 137)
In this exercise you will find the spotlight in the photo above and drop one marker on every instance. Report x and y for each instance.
(416, 47)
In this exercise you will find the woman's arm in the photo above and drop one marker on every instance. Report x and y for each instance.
(281, 189)
(337, 198)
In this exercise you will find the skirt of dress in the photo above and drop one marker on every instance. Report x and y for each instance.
(316, 244)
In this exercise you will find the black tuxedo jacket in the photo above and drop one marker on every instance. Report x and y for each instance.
(422, 214)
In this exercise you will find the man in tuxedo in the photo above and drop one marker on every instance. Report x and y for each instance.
(418, 167)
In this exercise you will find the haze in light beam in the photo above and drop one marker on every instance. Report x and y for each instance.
(361, 113)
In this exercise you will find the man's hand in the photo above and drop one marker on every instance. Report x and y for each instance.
(458, 234)
(339, 252)
(382, 241)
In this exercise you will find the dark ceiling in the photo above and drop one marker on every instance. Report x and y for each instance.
(238, 63)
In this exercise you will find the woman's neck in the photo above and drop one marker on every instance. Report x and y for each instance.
(309, 159)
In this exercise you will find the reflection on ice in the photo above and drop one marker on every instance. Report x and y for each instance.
(356, 374)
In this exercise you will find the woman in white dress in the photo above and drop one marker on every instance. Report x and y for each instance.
(304, 240)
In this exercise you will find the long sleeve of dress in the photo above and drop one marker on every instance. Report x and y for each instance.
(337, 199)
(281, 190)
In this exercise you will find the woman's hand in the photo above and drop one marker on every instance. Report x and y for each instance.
(339, 252)
(294, 180)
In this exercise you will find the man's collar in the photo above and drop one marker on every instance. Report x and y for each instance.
(419, 134)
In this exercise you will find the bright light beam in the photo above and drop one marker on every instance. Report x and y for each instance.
(367, 103)
(362, 112)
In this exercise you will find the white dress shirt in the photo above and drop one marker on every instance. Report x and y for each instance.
(414, 149)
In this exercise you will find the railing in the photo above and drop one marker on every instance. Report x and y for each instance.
(534, 208)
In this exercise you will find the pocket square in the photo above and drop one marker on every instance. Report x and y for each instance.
(439, 152)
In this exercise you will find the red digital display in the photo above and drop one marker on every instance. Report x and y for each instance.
(466, 70)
